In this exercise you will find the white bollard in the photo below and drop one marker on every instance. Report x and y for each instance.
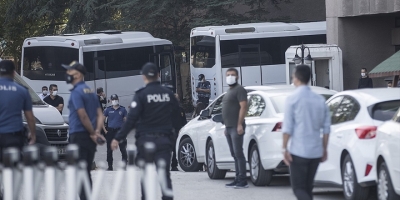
(150, 174)
(10, 158)
(99, 180)
(71, 172)
(50, 157)
(131, 174)
(31, 156)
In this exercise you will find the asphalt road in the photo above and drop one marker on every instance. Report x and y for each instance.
(198, 186)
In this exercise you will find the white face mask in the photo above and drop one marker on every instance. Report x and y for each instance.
(45, 92)
(114, 102)
(230, 80)
(362, 74)
(54, 93)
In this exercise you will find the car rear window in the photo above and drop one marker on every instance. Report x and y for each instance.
(384, 111)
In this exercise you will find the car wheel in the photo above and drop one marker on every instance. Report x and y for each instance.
(385, 186)
(351, 189)
(259, 176)
(212, 169)
(187, 156)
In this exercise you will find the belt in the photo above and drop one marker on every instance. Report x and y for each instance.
(113, 129)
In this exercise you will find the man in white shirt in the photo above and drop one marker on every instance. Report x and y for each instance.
(45, 92)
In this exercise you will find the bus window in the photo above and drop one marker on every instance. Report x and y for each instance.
(44, 63)
(166, 69)
(203, 51)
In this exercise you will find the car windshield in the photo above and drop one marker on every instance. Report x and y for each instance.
(35, 98)
(279, 101)
(384, 111)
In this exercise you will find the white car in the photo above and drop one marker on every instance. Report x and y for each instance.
(203, 141)
(355, 116)
(387, 159)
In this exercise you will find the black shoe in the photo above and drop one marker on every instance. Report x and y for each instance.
(110, 168)
(231, 185)
(174, 169)
(241, 185)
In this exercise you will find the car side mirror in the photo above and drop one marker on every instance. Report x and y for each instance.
(218, 118)
(205, 113)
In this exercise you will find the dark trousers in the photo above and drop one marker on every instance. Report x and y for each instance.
(174, 161)
(11, 140)
(204, 100)
(235, 142)
(122, 146)
(87, 149)
(302, 174)
(163, 152)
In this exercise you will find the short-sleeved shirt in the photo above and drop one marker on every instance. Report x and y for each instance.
(115, 116)
(231, 105)
(82, 96)
(54, 102)
(14, 99)
(204, 85)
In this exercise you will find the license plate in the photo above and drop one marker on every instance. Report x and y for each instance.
(61, 150)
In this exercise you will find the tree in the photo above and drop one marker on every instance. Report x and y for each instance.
(259, 8)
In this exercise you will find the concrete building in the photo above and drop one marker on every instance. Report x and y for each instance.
(368, 32)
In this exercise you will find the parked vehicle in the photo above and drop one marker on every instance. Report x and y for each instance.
(50, 126)
(202, 140)
(387, 159)
(355, 116)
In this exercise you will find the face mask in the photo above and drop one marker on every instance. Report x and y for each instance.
(230, 80)
(54, 93)
(69, 78)
(45, 92)
(362, 74)
(114, 102)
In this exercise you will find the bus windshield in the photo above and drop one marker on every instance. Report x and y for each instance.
(35, 98)
(44, 62)
(203, 51)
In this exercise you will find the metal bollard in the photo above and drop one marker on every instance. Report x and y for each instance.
(83, 180)
(99, 180)
(131, 173)
(71, 172)
(150, 180)
(162, 165)
(50, 158)
(10, 158)
(31, 156)
(118, 181)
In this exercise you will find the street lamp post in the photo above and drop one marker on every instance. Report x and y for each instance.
(301, 60)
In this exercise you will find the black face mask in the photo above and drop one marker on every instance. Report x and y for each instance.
(69, 78)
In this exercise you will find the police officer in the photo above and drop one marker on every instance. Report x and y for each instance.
(85, 116)
(14, 98)
(178, 121)
(151, 111)
(116, 115)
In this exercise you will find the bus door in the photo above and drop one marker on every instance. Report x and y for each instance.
(250, 64)
(100, 74)
(166, 64)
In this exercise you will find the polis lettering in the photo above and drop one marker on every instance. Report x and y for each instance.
(158, 98)
(8, 88)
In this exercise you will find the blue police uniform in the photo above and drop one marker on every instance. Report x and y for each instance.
(151, 114)
(115, 119)
(14, 99)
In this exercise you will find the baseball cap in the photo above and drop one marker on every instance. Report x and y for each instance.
(7, 66)
(149, 69)
(75, 65)
(114, 97)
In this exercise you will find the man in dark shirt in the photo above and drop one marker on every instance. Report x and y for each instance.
(53, 99)
(203, 90)
(102, 97)
(365, 81)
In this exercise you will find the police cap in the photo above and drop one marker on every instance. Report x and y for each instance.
(7, 66)
(114, 97)
(77, 66)
(149, 69)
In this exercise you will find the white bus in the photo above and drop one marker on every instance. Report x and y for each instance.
(256, 50)
(113, 60)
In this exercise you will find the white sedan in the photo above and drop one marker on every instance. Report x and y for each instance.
(387, 159)
(203, 141)
(356, 114)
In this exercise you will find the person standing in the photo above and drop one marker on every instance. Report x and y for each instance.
(102, 97)
(151, 114)
(203, 90)
(53, 99)
(234, 109)
(85, 117)
(45, 92)
(305, 116)
(14, 99)
(365, 81)
(116, 115)
(179, 121)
